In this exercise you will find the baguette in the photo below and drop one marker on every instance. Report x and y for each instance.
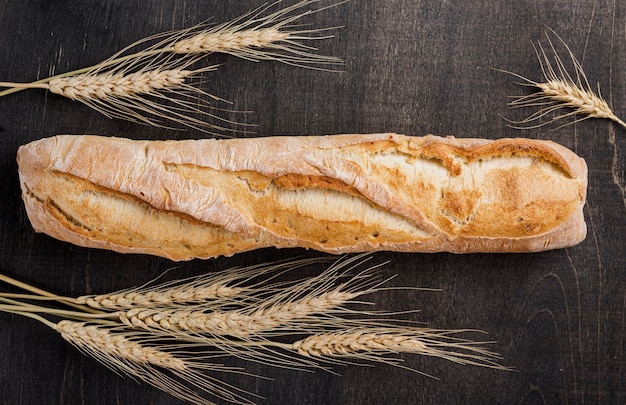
(337, 194)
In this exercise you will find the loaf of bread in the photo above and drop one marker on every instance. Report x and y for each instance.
(337, 194)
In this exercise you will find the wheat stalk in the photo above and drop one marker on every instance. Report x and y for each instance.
(150, 95)
(249, 36)
(560, 90)
(170, 334)
(151, 86)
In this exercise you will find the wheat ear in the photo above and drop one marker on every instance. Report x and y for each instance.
(179, 368)
(560, 90)
(177, 371)
(235, 323)
(139, 96)
(260, 35)
(374, 344)
(371, 344)
(102, 341)
(237, 285)
(151, 95)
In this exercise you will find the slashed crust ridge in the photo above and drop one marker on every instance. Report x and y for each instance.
(336, 193)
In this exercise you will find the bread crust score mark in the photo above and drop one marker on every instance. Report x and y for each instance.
(336, 193)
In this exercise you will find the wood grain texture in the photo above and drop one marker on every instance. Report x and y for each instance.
(412, 67)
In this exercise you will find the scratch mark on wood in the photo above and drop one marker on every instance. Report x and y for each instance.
(618, 175)
(621, 395)
(581, 352)
(599, 294)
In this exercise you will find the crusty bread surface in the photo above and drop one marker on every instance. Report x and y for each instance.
(336, 193)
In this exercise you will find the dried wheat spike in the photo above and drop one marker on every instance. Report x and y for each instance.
(238, 323)
(171, 342)
(100, 340)
(260, 35)
(238, 285)
(130, 299)
(87, 87)
(150, 97)
(560, 90)
(374, 343)
(179, 371)
(230, 42)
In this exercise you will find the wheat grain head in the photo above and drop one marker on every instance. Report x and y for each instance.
(173, 367)
(236, 323)
(261, 34)
(103, 341)
(237, 285)
(560, 90)
(150, 96)
(375, 344)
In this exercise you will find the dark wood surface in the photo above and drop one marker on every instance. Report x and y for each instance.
(414, 67)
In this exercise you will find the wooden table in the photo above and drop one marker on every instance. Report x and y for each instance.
(413, 67)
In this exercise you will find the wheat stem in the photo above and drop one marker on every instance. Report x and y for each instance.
(24, 286)
(24, 85)
(12, 310)
(150, 86)
(43, 293)
(61, 299)
(24, 307)
(43, 83)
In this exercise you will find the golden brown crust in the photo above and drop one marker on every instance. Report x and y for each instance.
(339, 193)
